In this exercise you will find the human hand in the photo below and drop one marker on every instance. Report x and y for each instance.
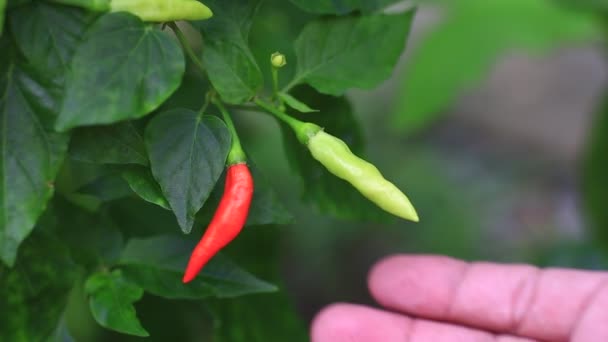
(439, 299)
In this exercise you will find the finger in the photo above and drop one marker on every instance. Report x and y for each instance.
(355, 323)
(513, 299)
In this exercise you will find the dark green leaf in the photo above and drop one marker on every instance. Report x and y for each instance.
(187, 155)
(329, 193)
(31, 151)
(49, 47)
(107, 187)
(595, 182)
(93, 5)
(137, 218)
(111, 299)
(34, 293)
(190, 94)
(338, 53)
(266, 207)
(15, 3)
(93, 238)
(261, 318)
(157, 264)
(123, 69)
(468, 42)
(2, 9)
(341, 6)
(271, 317)
(116, 144)
(142, 182)
(296, 104)
(230, 64)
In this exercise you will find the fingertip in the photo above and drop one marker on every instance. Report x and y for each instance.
(414, 283)
(349, 322)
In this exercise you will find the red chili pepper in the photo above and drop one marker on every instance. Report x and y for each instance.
(228, 220)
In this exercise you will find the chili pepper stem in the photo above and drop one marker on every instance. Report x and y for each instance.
(275, 86)
(187, 48)
(304, 130)
(236, 154)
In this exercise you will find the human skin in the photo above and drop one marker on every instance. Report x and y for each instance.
(439, 299)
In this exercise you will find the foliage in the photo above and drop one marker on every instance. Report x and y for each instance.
(107, 130)
(112, 156)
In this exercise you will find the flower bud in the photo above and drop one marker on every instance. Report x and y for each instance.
(278, 60)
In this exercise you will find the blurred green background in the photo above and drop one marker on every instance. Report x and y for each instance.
(491, 123)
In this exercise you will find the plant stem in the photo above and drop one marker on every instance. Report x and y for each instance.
(236, 154)
(303, 130)
(246, 108)
(275, 86)
(187, 48)
(275, 79)
(201, 111)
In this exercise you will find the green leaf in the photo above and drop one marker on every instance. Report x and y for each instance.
(473, 36)
(93, 238)
(116, 144)
(47, 46)
(295, 103)
(321, 188)
(341, 6)
(266, 206)
(106, 188)
(261, 318)
(15, 3)
(137, 218)
(230, 64)
(157, 264)
(589, 5)
(595, 182)
(93, 5)
(142, 182)
(34, 293)
(338, 53)
(190, 94)
(111, 299)
(123, 69)
(2, 9)
(271, 317)
(31, 151)
(187, 155)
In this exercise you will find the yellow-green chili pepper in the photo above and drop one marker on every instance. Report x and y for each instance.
(335, 155)
(163, 10)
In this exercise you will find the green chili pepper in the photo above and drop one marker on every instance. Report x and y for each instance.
(335, 155)
(93, 5)
(163, 10)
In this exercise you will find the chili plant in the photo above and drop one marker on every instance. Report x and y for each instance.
(119, 152)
